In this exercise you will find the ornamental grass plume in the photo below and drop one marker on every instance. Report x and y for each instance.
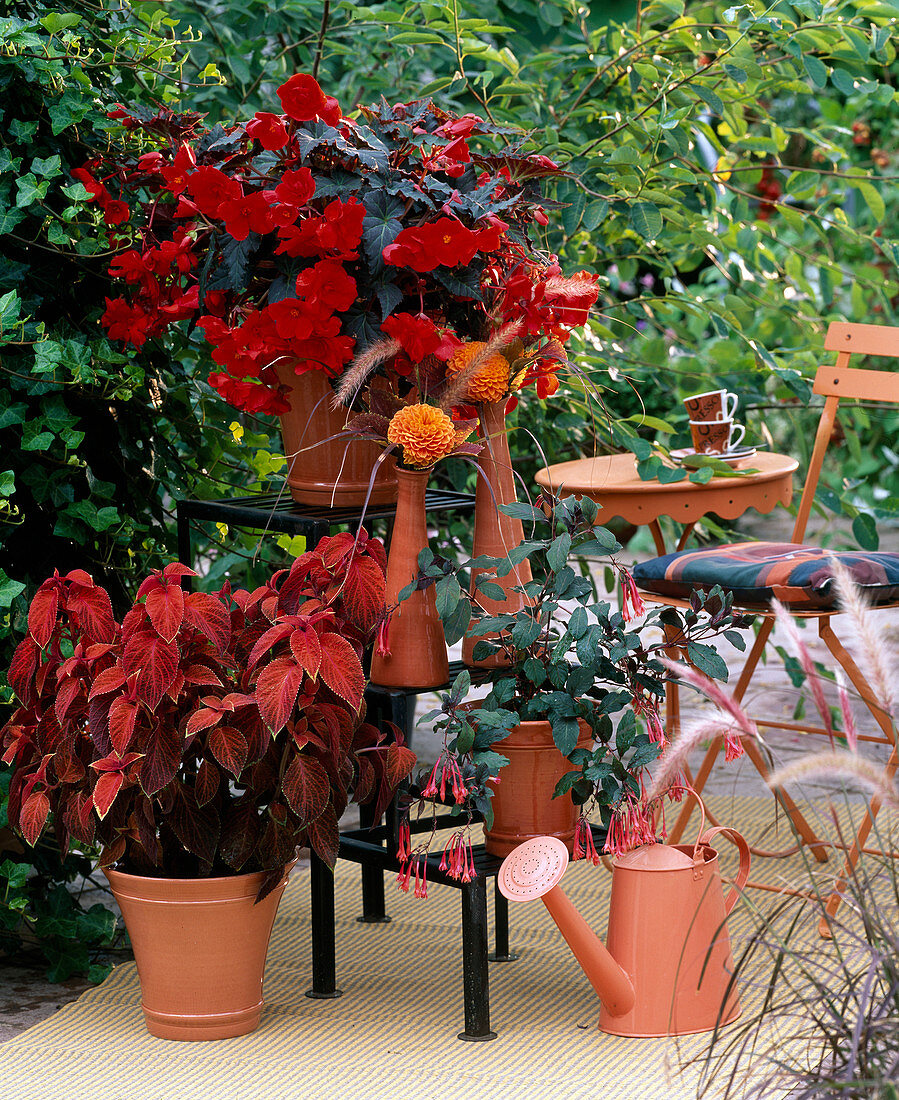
(872, 645)
(840, 764)
(813, 678)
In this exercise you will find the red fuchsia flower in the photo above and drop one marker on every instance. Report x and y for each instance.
(404, 848)
(584, 847)
(417, 333)
(632, 604)
(421, 879)
(444, 241)
(631, 826)
(458, 858)
(382, 645)
(268, 129)
(296, 187)
(733, 746)
(646, 708)
(405, 873)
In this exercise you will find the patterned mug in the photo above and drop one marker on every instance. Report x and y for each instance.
(714, 405)
(716, 437)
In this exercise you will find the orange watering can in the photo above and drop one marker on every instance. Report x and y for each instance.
(667, 969)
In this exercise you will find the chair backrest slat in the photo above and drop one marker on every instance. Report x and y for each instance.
(841, 380)
(860, 385)
(862, 339)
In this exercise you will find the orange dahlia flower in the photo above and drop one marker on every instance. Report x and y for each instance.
(425, 434)
(490, 379)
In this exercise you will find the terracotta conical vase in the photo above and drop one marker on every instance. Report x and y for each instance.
(333, 474)
(495, 533)
(200, 947)
(417, 657)
(523, 803)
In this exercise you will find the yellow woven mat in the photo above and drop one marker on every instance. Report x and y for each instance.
(393, 1032)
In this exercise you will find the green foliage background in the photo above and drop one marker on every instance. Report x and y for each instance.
(669, 119)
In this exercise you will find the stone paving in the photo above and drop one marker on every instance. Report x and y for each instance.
(26, 997)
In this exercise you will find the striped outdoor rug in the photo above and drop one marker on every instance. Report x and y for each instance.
(393, 1032)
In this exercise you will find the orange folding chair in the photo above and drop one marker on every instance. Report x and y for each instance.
(799, 576)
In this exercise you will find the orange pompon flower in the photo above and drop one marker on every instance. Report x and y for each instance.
(425, 434)
(489, 381)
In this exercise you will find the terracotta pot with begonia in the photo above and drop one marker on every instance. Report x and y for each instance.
(198, 742)
(306, 242)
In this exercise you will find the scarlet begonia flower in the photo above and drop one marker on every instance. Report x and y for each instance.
(115, 212)
(418, 334)
(126, 322)
(338, 231)
(295, 319)
(328, 284)
(248, 214)
(251, 396)
(302, 97)
(150, 162)
(326, 354)
(296, 187)
(130, 266)
(210, 188)
(176, 175)
(444, 241)
(94, 186)
(268, 129)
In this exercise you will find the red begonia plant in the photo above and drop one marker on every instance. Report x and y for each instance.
(207, 733)
(310, 238)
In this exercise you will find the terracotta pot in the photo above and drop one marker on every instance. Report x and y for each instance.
(200, 947)
(418, 657)
(494, 533)
(523, 803)
(327, 475)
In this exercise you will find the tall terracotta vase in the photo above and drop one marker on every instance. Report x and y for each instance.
(495, 533)
(523, 803)
(418, 657)
(334, 474)
(200, 947)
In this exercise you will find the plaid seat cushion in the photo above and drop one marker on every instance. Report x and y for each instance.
(756, 572)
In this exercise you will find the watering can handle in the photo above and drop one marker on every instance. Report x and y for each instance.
(743, 872)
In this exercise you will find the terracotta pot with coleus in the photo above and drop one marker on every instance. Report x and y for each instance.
(198, 742)
(303, 240)
(570, 722)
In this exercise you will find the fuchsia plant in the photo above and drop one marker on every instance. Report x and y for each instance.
(207, 733)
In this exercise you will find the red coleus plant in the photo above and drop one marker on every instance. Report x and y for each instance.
(305, 238)
(207, 733)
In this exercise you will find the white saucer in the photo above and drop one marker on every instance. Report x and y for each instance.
(732, 458)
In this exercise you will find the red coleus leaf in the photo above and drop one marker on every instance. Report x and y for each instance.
(306, 788)
(202, 719)
(66, 694)
(165, 606)
(155, 661)
(110, 679)
(162, 746)
(91, 607)
(206, 613)
(324, 836)
(207, 783)
(400, 762)
(341, 669)
(307, 650)
(271, 637)
(21, 671)
(176, 569)
(122, 718)
(197, 827)
(43, 610)
(364, 592)
(229, 746)
(107, 787)
(115, 762)
(276, 691)
(201, 675)
(240, 833)
(33, 816)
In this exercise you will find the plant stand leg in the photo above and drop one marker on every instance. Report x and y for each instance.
(501, 952)
(474, 962)
(374, 909)
(324, 974)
